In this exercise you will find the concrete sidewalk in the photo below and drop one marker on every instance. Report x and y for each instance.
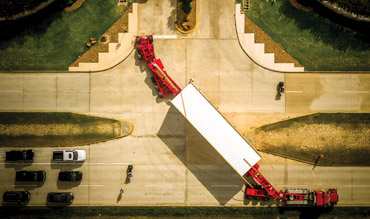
(256, 51)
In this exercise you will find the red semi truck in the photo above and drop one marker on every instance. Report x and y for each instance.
(164, 83)
(291, 197)
(264, 191)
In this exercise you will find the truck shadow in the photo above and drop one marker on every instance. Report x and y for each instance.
(148, 80)
(200, 158)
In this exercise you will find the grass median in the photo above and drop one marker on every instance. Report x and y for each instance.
(185, 212)
(57, 129)
(55, 41)
(343, 138)
(318, 39)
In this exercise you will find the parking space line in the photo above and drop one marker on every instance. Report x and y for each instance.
(356, 185)
(356, 92)
(93, 185)
(293, 91)
(165, 36)
(226, 186)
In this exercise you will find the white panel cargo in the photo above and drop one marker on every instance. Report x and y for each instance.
(216, 129)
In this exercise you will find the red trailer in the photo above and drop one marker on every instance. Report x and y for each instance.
(164, 83)
(291, 197)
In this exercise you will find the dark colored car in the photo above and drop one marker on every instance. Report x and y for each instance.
(16, 196)
(20, 155)
(36, 176)
(71, 176)
(61, 197)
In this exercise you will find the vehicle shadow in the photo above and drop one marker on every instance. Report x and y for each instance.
(67, 185)
(28, 185)
(18, 165)
(201, 159)
(65, 166)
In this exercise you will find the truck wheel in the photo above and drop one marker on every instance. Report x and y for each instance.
(139, 56)
(151, 39)
(153, 80)
(248, 197)
(137, 40)
(266, 199)
(160, 95)
(156, 87)
(256, 197)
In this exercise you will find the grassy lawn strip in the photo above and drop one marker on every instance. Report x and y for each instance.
(189, 212)
(55, 129)
(344, 139)
(56, 42)
(314, 41)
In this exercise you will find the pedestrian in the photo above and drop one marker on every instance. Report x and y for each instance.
(317, 161)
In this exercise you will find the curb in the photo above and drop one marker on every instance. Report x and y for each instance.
(279, 121)
(105, 117)
(291, 158)
(196, 21)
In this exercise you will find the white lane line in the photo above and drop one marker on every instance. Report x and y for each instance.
(75, 91)
(293, 91)
(356, 185)
(93, 185)
(226, 186)
(159, 185)
(291, 185)
(10, 91)
(165, 36)
(356, 92)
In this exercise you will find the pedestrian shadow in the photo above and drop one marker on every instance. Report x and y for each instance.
(119, 197)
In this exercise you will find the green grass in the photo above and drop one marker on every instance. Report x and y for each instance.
(57, 41)
(70, 121)
(343, 138)
(188, 212)
(316, 42)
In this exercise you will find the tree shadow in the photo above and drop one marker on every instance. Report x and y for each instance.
(332, 29)
(201, 159)
(31, 25)
(171, 20)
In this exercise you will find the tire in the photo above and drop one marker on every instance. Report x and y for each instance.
(256, 198)
(160, 95)
(151, 39)
(248, 197)
(266, 199)
(139, 56)
(137, 40)
(156, 87)
(153, 80)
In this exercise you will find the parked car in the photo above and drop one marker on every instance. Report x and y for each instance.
(16, 196)
(71, 176)
(37, 176)
(69, 155)
(19, 155)
(61, 197)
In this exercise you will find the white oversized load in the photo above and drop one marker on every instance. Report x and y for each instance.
(210, 123)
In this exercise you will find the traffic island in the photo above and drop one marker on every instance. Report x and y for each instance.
(53, 129)
(326, 139)
(186, 18)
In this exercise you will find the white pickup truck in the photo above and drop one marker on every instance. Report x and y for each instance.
(69, 155)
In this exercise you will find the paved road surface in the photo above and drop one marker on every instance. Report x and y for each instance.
(173, 165)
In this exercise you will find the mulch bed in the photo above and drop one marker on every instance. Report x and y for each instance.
(270, 46)
(92, 55)
(180, 17)
(74, 6)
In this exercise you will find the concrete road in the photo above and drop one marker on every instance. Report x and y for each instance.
(173, 165)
